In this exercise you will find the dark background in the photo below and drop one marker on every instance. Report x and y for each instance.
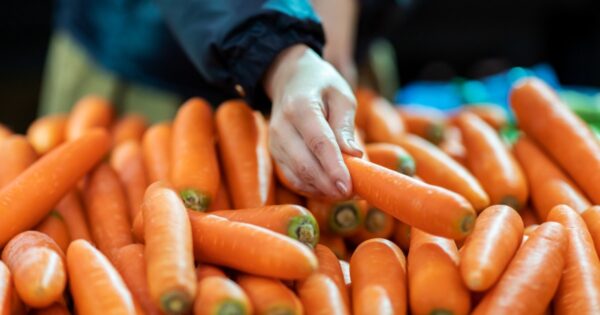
(434, 39)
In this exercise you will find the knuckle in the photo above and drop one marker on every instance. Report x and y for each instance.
(318, 144)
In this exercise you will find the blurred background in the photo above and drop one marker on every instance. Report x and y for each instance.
(441, 51)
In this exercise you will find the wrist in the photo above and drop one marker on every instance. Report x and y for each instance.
(282, 68)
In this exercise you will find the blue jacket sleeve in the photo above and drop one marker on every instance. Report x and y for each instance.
(233, 42)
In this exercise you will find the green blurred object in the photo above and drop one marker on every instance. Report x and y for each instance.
(510, 133)
(585, 106)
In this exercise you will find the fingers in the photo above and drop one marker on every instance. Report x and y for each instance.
(341, 119)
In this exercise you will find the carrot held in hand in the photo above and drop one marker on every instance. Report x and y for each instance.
(391, 156)
(128, 161)
(96, 286)
(531, 279)
(17, 155)
(270, 296)
(88, 113)
(127, 128)
(319, 294)
(194, 166)
(342, 217)
(220, 295)
(579, 288)
(47, 133)
(249, 248)
(488, 250)
(291, 220)
(37, 266)
(156, 147)
(438, 211)
(591, 217)
(54, 226)
(60, 169)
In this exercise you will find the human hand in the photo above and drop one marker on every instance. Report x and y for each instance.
(312, 118)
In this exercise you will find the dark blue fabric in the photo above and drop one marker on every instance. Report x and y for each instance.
(191, 47)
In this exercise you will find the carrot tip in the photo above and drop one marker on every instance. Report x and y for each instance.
(435, 133)
(345, 217)
(375, 220)
(231, 307)
(304, 229)
(406, 165)
(474, 281)
(175, 303)
(467, 223)
(441, 312)
(511, 201)
(194, 199)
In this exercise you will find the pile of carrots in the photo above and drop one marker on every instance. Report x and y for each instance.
(106, 215)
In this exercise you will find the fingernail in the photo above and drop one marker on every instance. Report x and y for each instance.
(341, 187)
(355, 146)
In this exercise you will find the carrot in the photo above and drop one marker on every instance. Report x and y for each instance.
(137, 227)
(291, 220)
(417, 204)
(346, 272)
(156, 148)
(249, 248)
(402, 235)
(194, 166)
(529, 217)
(529, 230)
(71, 210)
(426, 122)
(270, 296)
(591, 217)
(244, 153)
(107, 211)
(220, 295)
(17, 155)
(96, 286)
(54, 226)
(380, 262)
(437, 168)
(6, 289)
(128, 161)
(383, 123)
(377, 224)
(492, 114)
(54, 309)
(364, 99)
(579, 288)
(430, 259)
(549, 186)
(89, 112)
(130, 262)
(329, 266)
(488, 250)
(335, 243)
(20, 209)
(284, 196)
(47, 133)
(492, 163)
(453, 145)
(129, 127)
(221, 200)
(532, 277)
(373, 299)
(5, 132)
(206, 270)
(391, 156)
(550, 123)
(37, 267)
(342, 218)
(319, 294)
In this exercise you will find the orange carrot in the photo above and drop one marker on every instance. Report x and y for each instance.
(426, 122)
(492, 163)
(335, 243)
(71, 210)
(47, 133)
(430, 259)
(17, 155)
(129, 127)
(194, 166)
(380, 262)
(342, 218)
(6, 289)
(377, 224)
(373, 299)
(246, 160)
(128, 161)
(88, 113)
(391, 156)
(169, 257)
(579, 288)
(418, 203)
(550, 123)
(284, 196)
(137, 227)
(383, 123)
(220, 295)
(131, 263)
(107, 211)
(437, 168)
(291, 220)
(488, 250)
(156, 147)
(96, 286)
(529, 217)
(221, 200)
(329, 265)
(346, 272)
(5, 132)
(591, 217)
(54, 226)
(453, 145)
(529, 230)
(37, 267)
(60, 169)
(206, 270)
(54, 309)
(319, 294)
(270, 296)
(549, 186)
(364, 99)
(402, 235)
(532, 277)
(492, 114)
(249, 248)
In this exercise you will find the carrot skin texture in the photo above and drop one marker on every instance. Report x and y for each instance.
(591, 217)
(71, 209)
(488, 250)
(54, 309)
(96, 286)
(17, 155)
(156, 147)
(342, 218)
(47, 133)
(380, 262)
(129, 127)
(320, 295)
(425, 122)
(217, 295)
(391, 156)
(373, 299)
(335, 243)
(453, 145)
(54, 226)
(58, 171)
(383, 123)
(128, 161)
(206, 270)
(88, 113)
(433, 209)
(551, 124)
(257, 250)
(532, 275)
(194, 165)
(548, 184)
(492, 114)
(284, 196)
(222, 200)
(270, 296)
(579, 288)
(402, 235)
(376, 224)
(329, 265)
